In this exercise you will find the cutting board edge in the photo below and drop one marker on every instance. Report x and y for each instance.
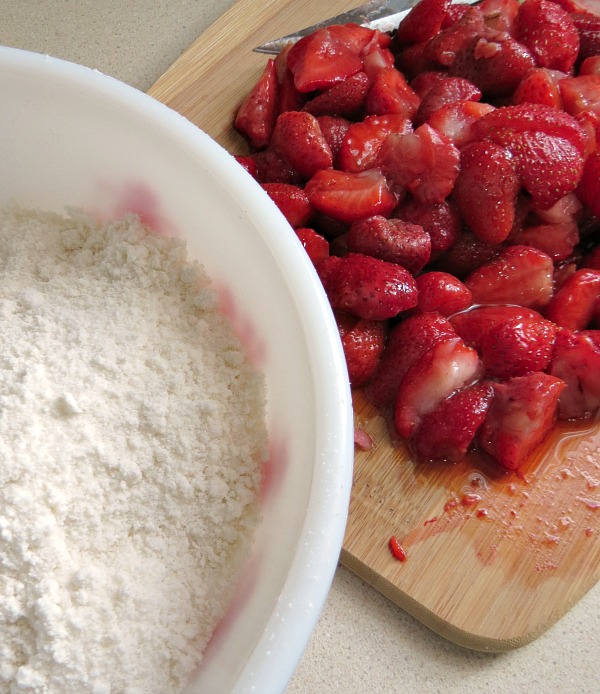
(443, 628)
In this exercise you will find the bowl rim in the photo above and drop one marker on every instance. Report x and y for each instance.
(272, 662)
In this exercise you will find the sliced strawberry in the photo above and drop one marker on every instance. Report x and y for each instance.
(591, 64)
(441, 221)
(549, 33)
(581, 94)
(588, 190)
(334, 129)
(422, 22)
(520, 416)
(455, 13)
(363, 342)
(345, 98)
(466, 254)
(407, 342)
(363, 140)
(486, 190)
(272, 168)
(442, 292)
(518, 275)
(447, 432)
(366, 286)
(375, 58)
(503, 123)
(292, 202)
(443, 369)
(473, 325)
(496, 64)
(556, 240)
(392, 240)
(248, 162)
(573, 305)
(443, 48)
(315, 245)
(322, 59)
(298, 139)
(517, 347)
(425, 81)
(349, 197)
(413, 60)
(390, 93)
(257, 113)
(455, 121)
(500, 15)
(288, 97)
(421, 162)
(448, 91)
(576, 360)
(588, 28)
(540, 86)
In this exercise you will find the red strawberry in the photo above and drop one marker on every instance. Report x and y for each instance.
(440, 220)
(391, 93)
(574, 304)
(291, 201)
(446, 433)
(466, 254)
(363, 140)
(425, 81)
(363, 342)
(334, 129)
(455, 121)
(549, 33)
(256, 116)
(349, 197)
(588, 28)
(443, 48)
(591, 64)
(556, 240)
(422, 22)
(441, 292)
(298, 139)
(421, 162)
(366, 286)
(315, 245)
(518, 275)
(359, 38)
(345, 98)
(588, 190)
(392, 240)
(500, 15)
(320, 60)
(447, 91)
(517, 347)
(581, 94)
(496, 63)
(576, 360)
(407, 342)
(288, 97)
(272, 168)
(521, 414)
(443, 369)
(249, 163)
(502, 124)
(486, 190)
(376, 58)
(540, 86)
(473, 325)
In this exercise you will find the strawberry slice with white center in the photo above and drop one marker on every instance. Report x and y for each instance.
(422, 162)
(521, 414)
(576, 360)
(519, 275)
(446, 367)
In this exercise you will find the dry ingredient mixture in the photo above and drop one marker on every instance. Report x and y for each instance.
(131, 432)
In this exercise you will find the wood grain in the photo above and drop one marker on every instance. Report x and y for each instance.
(493, 559)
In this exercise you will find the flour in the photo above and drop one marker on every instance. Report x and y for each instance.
(130, 432)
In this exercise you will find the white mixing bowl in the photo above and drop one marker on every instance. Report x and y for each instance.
(70, 136)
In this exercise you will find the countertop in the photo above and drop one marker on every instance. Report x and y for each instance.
(362, 642)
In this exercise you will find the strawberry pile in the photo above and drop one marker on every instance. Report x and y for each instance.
(445, 181)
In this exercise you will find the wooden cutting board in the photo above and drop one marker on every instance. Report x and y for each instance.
(492, 559)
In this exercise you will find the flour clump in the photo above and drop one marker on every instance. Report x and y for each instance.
(131, 436)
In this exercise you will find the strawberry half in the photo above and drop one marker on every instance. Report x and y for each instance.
(442, 292)
(346, 98)
(574, 304)
(391, 93)
(363, 342)
(447, 432)
(422, 22)
(407, 342)
(257, 113)
(297, 137)
(518, 275)
(446, 367)
(521, 414)
(349, 197)
(366, 286)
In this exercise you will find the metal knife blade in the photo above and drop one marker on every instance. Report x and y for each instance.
(384, 15)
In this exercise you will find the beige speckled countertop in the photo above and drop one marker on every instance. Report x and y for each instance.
(362, 643)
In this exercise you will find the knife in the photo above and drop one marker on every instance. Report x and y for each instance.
(384, 15)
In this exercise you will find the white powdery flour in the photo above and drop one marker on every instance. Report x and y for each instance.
(131, 435)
